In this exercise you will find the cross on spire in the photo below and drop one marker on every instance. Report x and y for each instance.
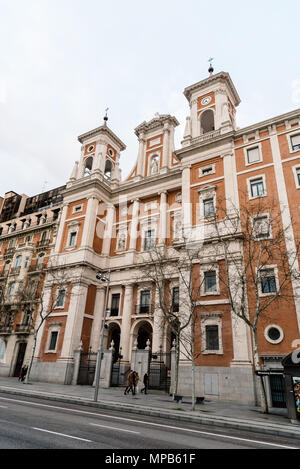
(105, 117)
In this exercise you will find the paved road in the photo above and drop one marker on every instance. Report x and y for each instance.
(28, 423)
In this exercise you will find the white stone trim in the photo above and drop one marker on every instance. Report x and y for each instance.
(208, 268)
(289, 140)
(296, 171)
(252, 179)
(252, 147)
(211, 319)
(271, 326)
(274, 268)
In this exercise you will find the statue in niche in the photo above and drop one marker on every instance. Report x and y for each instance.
(154, 165)
(122, 242)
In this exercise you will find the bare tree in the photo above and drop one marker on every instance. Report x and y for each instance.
(259, 266)
(162, 268)
(57, 279)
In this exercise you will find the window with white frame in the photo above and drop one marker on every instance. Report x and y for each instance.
(208, 207)
(268, 281)
(253, 155)
(72, 234)
(149, 239)
(53, 335)
(207, 202)
(145, 302)
(274, 334)
(257, 187)
(122, 239)
(11, 288)
(295, 142)
(261, 226)
(209, 280)
(72, 238)
(211, 333)
(177, 225)
(61, 296)
(207, 170)
(296, 170)
(77, 209)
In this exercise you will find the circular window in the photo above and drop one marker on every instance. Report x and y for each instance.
(110, 152)
(274, 334)
(91, 148)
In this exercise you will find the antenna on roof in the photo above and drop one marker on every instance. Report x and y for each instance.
(211, 68)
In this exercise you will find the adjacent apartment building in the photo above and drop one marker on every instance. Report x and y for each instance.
(99, 222)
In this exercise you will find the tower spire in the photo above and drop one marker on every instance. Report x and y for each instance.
(105, 117)
(211, 68)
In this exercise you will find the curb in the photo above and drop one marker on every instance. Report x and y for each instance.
(224, 422)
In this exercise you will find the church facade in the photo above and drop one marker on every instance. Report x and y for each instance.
(108, 224)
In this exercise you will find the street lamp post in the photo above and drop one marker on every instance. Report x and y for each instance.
(103, 278)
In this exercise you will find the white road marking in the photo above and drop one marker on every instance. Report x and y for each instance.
(114, 428)
(61, 434)
(3, 406)
(146, 423)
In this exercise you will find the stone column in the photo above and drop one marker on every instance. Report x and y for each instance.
(126, 322)
(163, 218)
(74, 322)
(108, 230)
(134, 225)
(141, 156)
(89, 222)
(186, 200)
(60, 228)
(98, 317)
(166, 144)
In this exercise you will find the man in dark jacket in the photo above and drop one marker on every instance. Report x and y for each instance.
(146, 382)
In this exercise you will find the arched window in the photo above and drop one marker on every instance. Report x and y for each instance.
(18, 261)
(88, 165)
(207, 121)
(108, 169)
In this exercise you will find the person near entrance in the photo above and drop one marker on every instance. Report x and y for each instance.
(129, 383)
(23, 373)
(146, 383)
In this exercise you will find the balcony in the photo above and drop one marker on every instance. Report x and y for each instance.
(23, 329)
(143, 309)
(5, 330)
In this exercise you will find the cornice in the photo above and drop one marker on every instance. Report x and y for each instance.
(155, 123)
(222, 76)
(267, 123)
(102, 130)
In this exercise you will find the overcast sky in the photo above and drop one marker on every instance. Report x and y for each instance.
(62, 62)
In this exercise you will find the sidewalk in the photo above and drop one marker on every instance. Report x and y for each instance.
(160, 404)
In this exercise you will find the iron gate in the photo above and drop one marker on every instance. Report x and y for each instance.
(115, 374)
(159, 371)
(278, 395)
(87, 368)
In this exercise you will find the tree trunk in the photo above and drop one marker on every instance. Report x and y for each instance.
(32, 356)
(259, 379)
(193, 383)
(175, 391)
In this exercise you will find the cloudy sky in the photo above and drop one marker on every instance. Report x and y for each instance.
(62, 62)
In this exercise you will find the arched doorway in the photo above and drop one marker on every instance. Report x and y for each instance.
(114, 333)
(144, 333)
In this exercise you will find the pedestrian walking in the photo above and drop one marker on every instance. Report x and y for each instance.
(146, 382)
(23, 373)
(129, 383)
(135, 380)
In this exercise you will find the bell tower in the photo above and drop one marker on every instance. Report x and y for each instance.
(213, 103)
(100, 155)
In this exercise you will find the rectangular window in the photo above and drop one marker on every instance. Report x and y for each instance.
(115, 303)
(212, 337)
(61, 298)
(73, 236)
(11, 288)
(268, 282)
(257, 187)
(253, 155)
(295, 141)
(175, 300)
(53, 340)
(145, 302)
(298, 176)
(210, 281)
(209, 209)
(149, 241)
